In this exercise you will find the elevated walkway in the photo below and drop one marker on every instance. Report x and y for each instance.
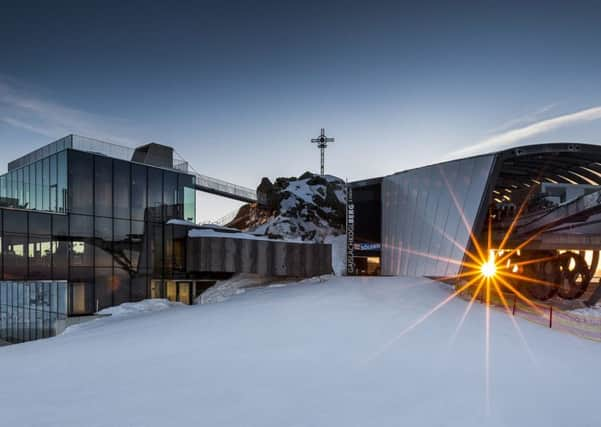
(223, 188)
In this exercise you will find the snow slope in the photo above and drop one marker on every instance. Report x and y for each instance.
(306, 354)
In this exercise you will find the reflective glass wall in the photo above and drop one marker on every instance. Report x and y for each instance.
(427, 214)
(31, 310)
(118, 234)
(40, 185)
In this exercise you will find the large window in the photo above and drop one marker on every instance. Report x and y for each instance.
(170, 207)
(62, 192)
(81, 179)
(155, 194)
(138, 192)
(103, 186)
(121, 185)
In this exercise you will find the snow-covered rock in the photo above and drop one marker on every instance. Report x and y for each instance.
(311, 207)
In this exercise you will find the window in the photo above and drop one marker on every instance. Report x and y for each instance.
(190, 204)
(19, 195)
(46, 184)
(103, 288)
(81, 234)
(61, 189)
(138, 192)
(39, 186)
(170, 195)
(32, 187)
(155, 194)
(15, 221)
(40, 257)
(26, 202)
(39, 223)
(53, 184)
(103, 233)
(81, 167)
(15, 256)
(138, 251)
(82, 290)
(121, 185)
(103, 186)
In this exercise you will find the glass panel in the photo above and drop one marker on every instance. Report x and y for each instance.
(39, 193)
(103, 231)
(15, 256)
(15, 221)
(168, 250)
(104, 288)
(81, 178)
(20, 187)
(11, 186)
(170, 195)
(138, 191)
(137, 246)
(121, 184)
(26, 203)
(156, 251)
(186, 198)
(78, 299)
(39, 223)
(62, 298)
(103, 186)
(121, 286)
(62, 192)
(53, 184)
(32, 187)
(155, 194)
(82, 292)
(81, 233)
(40, 256)
(121, 244)
(3, 186)
(46, 184)
(190, 204)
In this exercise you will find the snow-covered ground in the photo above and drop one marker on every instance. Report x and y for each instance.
(307, 354)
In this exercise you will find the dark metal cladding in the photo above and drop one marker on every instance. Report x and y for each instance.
(265, 257)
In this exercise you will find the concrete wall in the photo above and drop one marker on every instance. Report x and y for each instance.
(269, 258)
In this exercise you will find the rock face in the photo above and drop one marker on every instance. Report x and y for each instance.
(311, 207)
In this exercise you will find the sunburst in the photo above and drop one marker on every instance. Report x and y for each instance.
(488, 272)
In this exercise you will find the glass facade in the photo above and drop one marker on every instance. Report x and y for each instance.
(427, 215)
(95, 224)
(40, 185)
(31, 310)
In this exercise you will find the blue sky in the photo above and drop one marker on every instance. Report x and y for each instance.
(239, 88)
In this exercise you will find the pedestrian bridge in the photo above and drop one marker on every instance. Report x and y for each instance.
(224, 188)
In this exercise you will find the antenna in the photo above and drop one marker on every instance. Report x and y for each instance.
(322, 144)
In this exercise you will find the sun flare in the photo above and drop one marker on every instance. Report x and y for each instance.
(489, 268)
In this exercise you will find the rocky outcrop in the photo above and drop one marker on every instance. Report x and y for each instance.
(310, 207)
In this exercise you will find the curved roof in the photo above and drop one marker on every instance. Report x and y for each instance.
(567, 163)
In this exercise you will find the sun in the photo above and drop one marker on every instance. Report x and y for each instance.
(488, 268)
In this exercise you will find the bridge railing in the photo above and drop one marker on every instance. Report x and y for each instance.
(224, 187)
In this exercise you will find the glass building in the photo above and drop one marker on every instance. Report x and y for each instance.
(83, 227)
(422, 222)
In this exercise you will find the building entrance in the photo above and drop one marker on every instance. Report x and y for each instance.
(180, 291)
